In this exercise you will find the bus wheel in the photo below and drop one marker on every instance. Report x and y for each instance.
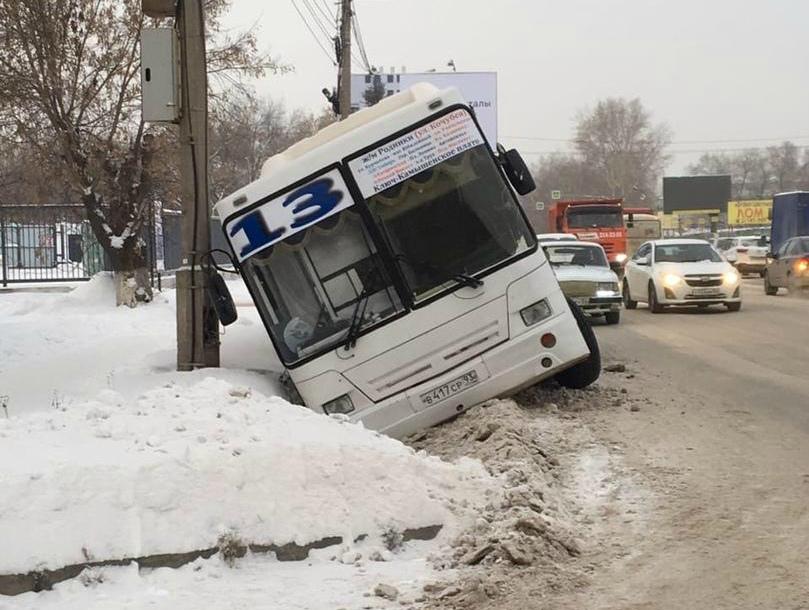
(586, 372)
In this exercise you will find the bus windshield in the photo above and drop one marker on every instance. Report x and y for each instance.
(457, 218)
(312, 288)
(590, 217)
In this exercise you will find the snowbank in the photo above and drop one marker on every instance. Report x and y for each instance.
(60, 349)
(177, 467)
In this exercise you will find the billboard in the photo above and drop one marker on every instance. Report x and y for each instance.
(696, 193)
(750, 212)
(479, 89)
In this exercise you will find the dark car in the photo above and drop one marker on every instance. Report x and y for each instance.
(788, 267)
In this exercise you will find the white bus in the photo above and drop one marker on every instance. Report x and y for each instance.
(395, 271)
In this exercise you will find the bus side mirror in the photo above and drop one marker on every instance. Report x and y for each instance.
(516, 170)
(222, 301)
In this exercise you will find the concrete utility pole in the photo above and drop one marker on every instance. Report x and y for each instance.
(197, 325)
(344, 79)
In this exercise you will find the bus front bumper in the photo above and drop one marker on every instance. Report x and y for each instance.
(503, 370)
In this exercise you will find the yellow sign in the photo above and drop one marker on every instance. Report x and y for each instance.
(750, 212)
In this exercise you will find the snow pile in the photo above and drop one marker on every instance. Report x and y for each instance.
(527, 523)
(178, 467)
(60, 349)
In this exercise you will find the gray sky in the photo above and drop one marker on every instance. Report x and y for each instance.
(724, 74)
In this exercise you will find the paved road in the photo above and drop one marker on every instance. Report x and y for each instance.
(722, 447)
(757, 357)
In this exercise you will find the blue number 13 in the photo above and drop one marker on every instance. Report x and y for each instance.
(315, 199)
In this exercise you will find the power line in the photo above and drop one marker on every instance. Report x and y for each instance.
(318, 20)
(312, 32)
(331, 17)
(573, 141)
(672, 152)
(360, 42)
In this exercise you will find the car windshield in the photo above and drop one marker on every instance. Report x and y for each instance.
(591, 217)
(578, 255)
(455, 219)
(747, 242)
(686, 253)
(312, 287)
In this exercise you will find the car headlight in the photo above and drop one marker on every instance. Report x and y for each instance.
(341, 404)
(606, 289)
(535, 313)
(730, 277)
(671, 280)
(620, 258)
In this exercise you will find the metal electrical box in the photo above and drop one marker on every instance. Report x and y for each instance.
(159, 75)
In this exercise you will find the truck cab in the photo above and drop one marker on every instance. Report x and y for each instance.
(395, 272)
(599, 220)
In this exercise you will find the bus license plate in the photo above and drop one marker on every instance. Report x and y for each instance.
(705, 291)
(450, 388)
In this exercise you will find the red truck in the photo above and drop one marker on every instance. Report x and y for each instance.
(600, 220)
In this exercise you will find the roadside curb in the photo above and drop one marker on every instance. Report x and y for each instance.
(43, 580)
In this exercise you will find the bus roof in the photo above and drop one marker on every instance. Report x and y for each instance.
(338, 140)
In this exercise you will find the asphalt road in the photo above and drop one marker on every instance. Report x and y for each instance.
(758, 357)
(720, 451)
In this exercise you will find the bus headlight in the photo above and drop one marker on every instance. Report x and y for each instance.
(671, 280)
(535, 313)
(730, 278)
(620, 258)
(341, 404)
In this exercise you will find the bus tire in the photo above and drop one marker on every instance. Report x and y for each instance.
(586, 372)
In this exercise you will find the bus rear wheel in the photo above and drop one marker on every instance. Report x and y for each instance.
(586, 372)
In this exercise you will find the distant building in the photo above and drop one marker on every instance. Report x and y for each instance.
(479, 89)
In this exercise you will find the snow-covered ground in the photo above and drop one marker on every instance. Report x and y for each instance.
(59, 348)
(109, 453)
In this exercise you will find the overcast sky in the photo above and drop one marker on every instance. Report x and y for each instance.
(723, 74)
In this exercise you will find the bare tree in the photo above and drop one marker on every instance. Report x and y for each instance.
(618, 138)
(69, 86)
(758, 173)
(248, 132)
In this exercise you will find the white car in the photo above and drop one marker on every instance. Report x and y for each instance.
(680, 272)
(747, 253)
(585, 277)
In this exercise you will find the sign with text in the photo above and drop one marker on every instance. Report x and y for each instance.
(283, 216)
(752, 212)
(414, 152)
(479, 89)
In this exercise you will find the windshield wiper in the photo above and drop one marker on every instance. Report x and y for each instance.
(462, 278)
(356, 319)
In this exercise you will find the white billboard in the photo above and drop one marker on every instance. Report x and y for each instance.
(479, 89)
